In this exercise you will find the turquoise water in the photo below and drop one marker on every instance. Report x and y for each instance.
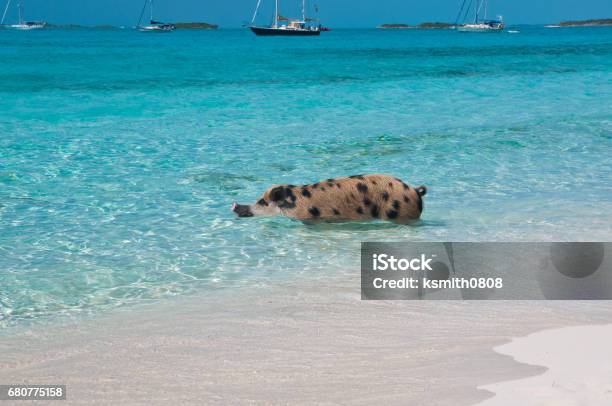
(122, 152)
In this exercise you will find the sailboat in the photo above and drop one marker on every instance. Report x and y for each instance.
(21, 24)
(480, 25)
(292, 27)
(153, 26)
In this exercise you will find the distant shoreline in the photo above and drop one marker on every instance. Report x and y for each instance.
(602, 22)
(179, 26)
(195, 26)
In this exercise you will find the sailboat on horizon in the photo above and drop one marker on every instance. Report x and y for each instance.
(153, 26)
(293, 27)
(21, 24)
(479, 24)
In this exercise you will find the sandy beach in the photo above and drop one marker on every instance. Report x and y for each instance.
(312, 344)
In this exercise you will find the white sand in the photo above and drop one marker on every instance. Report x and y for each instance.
(580, 369)
(288, 344)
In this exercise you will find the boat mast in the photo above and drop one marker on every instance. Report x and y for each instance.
(276, 14)
(8, 3)
(255, 13)
(303, 10)
(20, 17)
(478, 8)
(151, 10)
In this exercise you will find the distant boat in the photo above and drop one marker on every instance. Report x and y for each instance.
(293, 27)
(479, 24)
(21, 24)
(153, 26)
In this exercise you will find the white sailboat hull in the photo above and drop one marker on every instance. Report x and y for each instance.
(155, 28)
(25, 27)
(152, 28)
(480, 28)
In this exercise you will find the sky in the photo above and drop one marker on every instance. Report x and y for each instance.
(333, 13)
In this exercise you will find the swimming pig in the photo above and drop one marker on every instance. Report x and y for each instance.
(353, 198)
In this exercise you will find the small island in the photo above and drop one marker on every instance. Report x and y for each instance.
(421, 26)
(395, 26)
(587, 23)
(105, 27)
(65, 26)
(195, 26)
(435, 26)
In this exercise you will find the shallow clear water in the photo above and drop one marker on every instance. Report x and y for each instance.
(121, 152)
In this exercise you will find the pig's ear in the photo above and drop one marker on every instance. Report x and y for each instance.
(278, 194)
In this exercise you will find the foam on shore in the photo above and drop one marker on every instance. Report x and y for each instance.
(579, 371)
